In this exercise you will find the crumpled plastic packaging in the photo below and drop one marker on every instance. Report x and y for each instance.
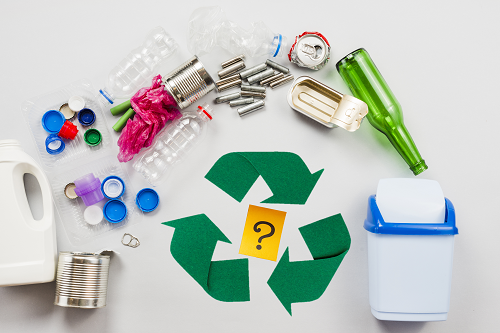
(153, 107)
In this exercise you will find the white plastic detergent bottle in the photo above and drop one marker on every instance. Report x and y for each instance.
(28, 247)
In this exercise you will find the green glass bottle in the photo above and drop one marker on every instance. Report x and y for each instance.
(384, 111)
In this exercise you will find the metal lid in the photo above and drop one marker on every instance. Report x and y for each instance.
(69, 191)
(67, 112)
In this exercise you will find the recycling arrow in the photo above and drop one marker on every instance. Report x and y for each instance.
(328, 241)
(193, 245)
(285, 173)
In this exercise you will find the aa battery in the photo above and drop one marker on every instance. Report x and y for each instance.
(229, 85)
(253, 70)
(232, 61)
(227, 80)
(242, 101)
(271, 79)
(228, 97)
(250, 108)
(254, 89)
(282, 81)
(253, 94)
(277, 67)
(231, 69)
(261, 76)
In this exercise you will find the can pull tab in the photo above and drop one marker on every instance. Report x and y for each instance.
(130, 240)
(312, 51)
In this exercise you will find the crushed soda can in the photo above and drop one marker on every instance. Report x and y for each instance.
(311, 50)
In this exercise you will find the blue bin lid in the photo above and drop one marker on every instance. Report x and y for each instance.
(375, 223)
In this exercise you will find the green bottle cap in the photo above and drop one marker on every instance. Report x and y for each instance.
(92, 137)
(120, 108)
(120, 124)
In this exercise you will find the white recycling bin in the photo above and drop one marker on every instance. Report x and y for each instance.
(411, 230)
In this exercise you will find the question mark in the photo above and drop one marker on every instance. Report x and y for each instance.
(257, 229)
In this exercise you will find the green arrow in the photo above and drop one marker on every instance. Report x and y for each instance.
(193, 245)
(285, 173)
(328, 241)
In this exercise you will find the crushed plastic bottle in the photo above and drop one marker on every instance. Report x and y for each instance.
(172, 144)
(208, 26)
(138, 67)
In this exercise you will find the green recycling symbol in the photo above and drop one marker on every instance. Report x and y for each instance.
(288, 177)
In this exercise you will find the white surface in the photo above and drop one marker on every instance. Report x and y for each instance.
(441, 61)
(410, 200)
(410, 274)
(28, 247)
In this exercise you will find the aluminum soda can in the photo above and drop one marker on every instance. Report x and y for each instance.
(311, 50)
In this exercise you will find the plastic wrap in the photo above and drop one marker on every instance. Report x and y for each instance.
(153, 107)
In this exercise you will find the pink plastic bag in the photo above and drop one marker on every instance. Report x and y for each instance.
(153, 108)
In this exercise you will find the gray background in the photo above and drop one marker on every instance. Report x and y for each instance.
(440, 59)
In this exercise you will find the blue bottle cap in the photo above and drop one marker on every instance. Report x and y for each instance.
(112, 187)
(52, 121)
(147, 200)
(86, 117)
(115, 211)
(54, 144)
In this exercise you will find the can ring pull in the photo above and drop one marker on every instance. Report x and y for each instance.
(133, 242)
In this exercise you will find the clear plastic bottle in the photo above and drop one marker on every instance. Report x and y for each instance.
(139, 66)
(208, 26)
(172, 144)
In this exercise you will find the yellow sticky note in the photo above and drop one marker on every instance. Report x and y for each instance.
(262, 233)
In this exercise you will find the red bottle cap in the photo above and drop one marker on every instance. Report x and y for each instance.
(68, 130)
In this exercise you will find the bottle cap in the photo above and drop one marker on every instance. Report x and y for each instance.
(52, 121)
(69, 191)
(93, 215)
(86, 117)
(115, 211)
(92, 137)
(76, 103)
(54, 144)
(88, 188)
(147, 200)
(113, 187)
(67, 112)
(68, 130)
(311, 50)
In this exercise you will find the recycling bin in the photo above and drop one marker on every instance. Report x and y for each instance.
(411, 230)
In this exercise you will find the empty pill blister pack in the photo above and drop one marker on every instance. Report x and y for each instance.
(53, 124)
(93, 199)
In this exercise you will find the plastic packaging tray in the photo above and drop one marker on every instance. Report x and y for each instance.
(71, 210)
(34, 109)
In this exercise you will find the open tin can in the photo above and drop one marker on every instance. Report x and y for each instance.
(326, 105)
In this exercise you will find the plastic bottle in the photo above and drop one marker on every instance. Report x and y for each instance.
(28, 250)
(139, 66)
(171, 144)
(208, 26)
(384, 111)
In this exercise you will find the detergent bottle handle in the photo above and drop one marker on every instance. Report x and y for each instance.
(48, 209)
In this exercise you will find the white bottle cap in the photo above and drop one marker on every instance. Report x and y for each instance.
(93, 215)
(76, 103)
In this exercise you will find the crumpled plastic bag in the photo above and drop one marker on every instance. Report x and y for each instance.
(153, 107)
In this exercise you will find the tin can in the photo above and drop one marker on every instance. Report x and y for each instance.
(189, 82)
(311, 50)
(82, 280)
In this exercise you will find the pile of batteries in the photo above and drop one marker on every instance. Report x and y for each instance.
(261, 74)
